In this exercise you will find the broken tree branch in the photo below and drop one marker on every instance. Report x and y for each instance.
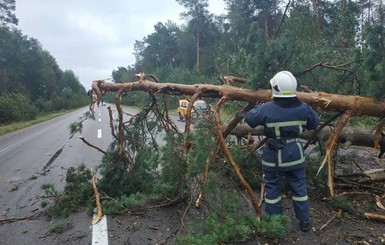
(330, 147)
(111, 123)
(91, 145)
(28, 217)
(347, 105)
(99, 212)
(359, 106)
(379, 201)
(376, 217)
(337, 215)
(229, 157)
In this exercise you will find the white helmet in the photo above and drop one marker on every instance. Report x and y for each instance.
(283, 85)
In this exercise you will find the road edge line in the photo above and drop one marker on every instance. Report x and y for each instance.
(100, 232)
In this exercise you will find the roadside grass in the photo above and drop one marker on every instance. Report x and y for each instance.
(8, 128)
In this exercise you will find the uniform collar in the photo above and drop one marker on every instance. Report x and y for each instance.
(287, 102)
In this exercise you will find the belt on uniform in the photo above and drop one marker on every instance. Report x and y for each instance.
(292, 140)
(280, 143)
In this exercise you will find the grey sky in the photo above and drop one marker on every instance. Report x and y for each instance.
(94, 37)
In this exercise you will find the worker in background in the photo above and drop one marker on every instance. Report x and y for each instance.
(283, 119)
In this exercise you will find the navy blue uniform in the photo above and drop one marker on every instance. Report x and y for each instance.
(283, 120)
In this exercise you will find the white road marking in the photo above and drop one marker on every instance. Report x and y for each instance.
(99, 133)
(100, 232)
(100, 120)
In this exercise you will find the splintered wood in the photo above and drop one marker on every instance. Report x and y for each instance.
(99, 213)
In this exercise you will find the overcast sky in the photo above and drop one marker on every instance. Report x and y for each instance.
(94, 37)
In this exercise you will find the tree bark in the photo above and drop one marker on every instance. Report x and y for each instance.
(229, 157)
(99, 213)
(359, 106)
(377, 217)
(349, 136)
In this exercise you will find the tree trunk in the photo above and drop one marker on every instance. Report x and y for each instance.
(317, 21)
(198, 52)
(349, 136)
(359, 106)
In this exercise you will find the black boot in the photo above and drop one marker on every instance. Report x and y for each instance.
(305, 225)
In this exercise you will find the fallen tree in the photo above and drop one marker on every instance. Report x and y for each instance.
(349, 136)
(345, 106)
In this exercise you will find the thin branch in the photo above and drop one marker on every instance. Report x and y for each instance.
(319, 129)
(229, 80)
(28, 217)
(212, 155)
(330, 147)
(337, 215)
(91, 145)
(236, 119)
(282, 20)
(363, 186)
(111, 122)
(340, 67)
(118, 97)
(229, 157)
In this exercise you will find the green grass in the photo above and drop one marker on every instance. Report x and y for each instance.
(4, 129)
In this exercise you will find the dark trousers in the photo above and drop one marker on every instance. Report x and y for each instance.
(296, 180)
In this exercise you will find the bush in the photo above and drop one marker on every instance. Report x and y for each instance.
(16, 107)
(77, 193)
(341, 202)
(228, 223)
(44, 105)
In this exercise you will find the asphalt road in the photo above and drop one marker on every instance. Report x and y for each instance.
(38, 155)
(41, 154)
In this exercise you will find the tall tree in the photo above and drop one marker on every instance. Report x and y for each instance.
(123, 74)
(374, 46)
(267, 16)
(197, 11)
(69, 79)
(139, 46)
(246, 13)
(161, 46)
(317, 21)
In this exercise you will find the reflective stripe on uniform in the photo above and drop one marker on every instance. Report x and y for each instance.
(279, 157)
(278, 125)
(300, 199)
(300, 150)
(272, 201)
(285, 164)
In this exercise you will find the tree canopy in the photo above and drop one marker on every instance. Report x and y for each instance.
(330, 46)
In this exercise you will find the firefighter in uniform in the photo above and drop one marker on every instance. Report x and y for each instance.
(283, 119)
